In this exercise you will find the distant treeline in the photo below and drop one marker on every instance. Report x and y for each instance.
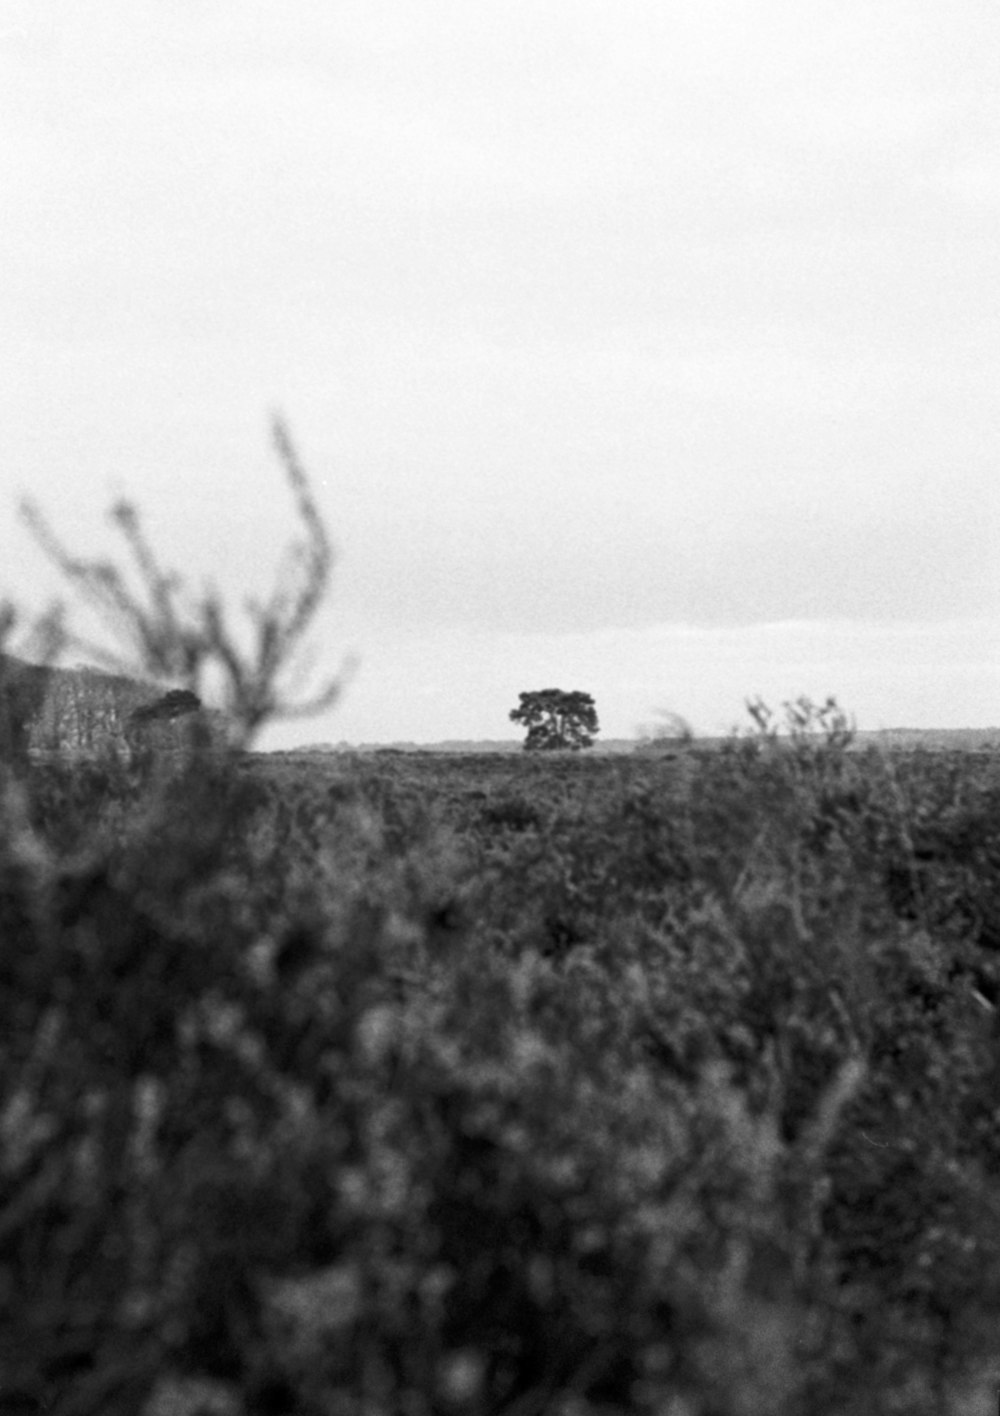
(83, 712)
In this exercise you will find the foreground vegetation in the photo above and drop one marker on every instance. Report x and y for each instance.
(502, 1085)
(548, 1084)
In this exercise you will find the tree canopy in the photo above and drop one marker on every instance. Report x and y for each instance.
(556, 719)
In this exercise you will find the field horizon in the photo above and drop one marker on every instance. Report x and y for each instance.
(945, 739)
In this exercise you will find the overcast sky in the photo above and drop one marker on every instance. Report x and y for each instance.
(640, 347)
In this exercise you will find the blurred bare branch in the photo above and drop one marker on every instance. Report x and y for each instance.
(174, 637)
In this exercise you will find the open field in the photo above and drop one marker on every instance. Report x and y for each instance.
(502, 1084)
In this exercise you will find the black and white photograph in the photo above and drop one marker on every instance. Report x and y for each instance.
(499, 708)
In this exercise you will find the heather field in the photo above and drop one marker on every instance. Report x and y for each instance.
(550, 1083)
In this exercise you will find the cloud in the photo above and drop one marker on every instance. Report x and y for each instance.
(611, 318)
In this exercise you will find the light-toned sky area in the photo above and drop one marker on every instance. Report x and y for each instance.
(646, 348)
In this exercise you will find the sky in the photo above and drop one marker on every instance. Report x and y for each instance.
(638, 347)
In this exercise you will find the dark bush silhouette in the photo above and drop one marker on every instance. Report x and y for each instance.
(172, 705)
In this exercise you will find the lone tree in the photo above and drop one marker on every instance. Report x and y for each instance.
(555, 719)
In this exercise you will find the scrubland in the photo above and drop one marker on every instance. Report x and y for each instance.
(548, 1084)
(538, 1085)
